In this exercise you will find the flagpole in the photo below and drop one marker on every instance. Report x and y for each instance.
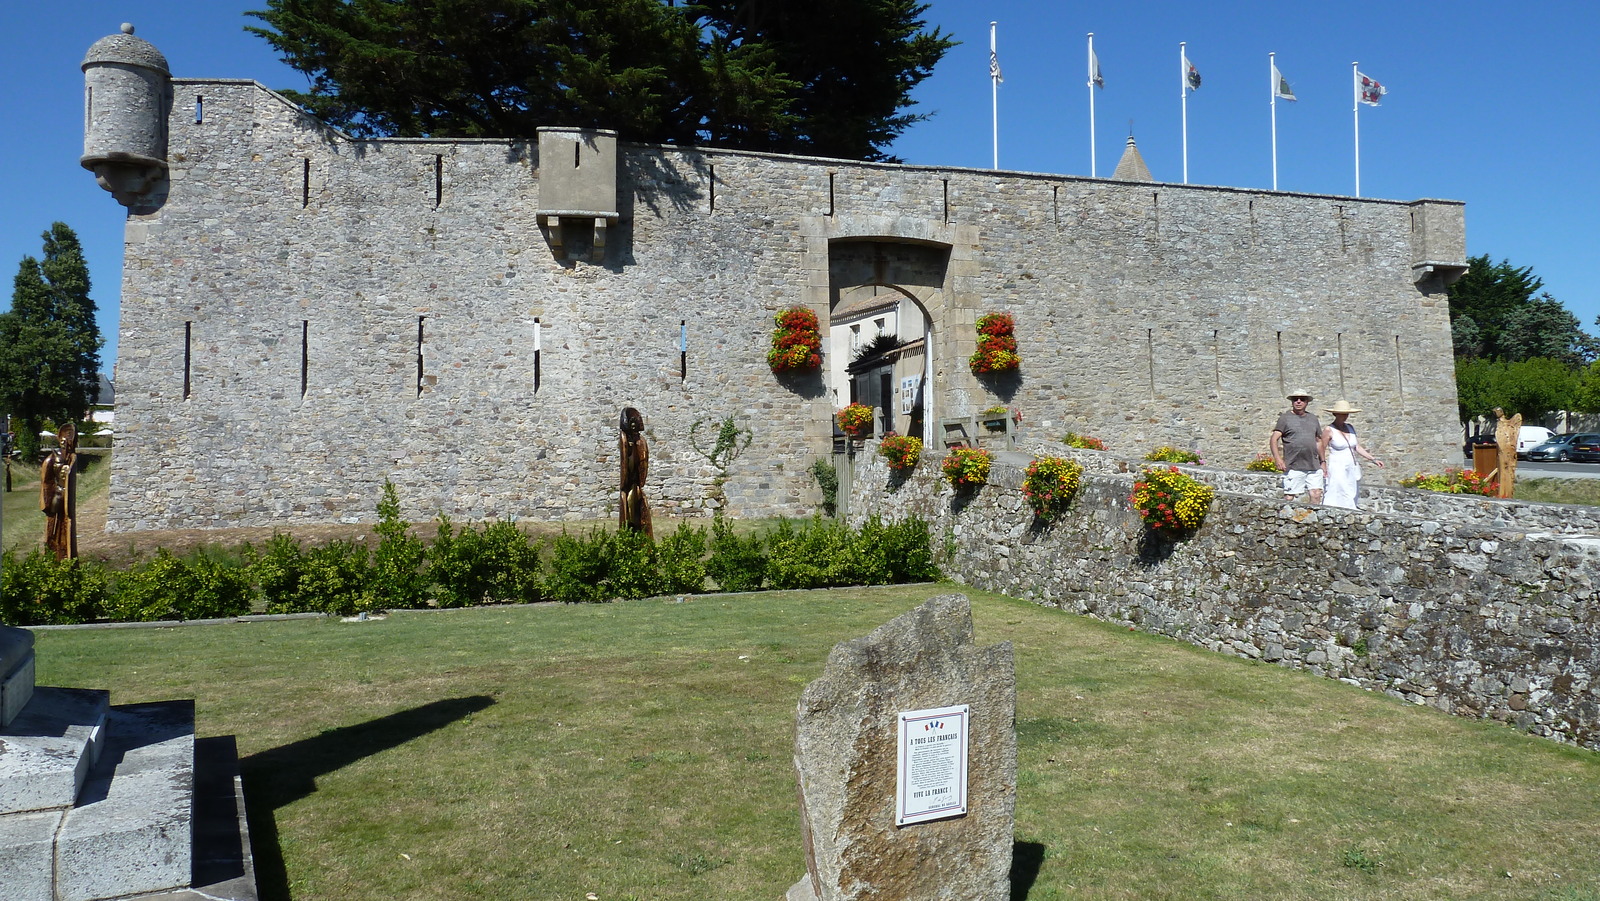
(1355, 112)
(1092, 173)
(994, 97)
(1183, 92)
(1272, 92)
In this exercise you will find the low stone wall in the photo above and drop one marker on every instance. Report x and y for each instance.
(1379, 494)
(1474, 606)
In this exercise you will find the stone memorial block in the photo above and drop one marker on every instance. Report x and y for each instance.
(880, 699)
(16, 672)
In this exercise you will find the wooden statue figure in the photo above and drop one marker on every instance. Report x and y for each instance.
(1506, 434)
(57, 494)
(633, 513)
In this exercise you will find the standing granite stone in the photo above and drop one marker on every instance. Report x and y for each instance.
(846, 758)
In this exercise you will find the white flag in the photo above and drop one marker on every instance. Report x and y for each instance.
(1281, 85)
(994, 67)
(1191, 75)
(1371, 91)
(1094, 70)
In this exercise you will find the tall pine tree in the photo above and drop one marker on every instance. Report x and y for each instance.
(827, 78)
(49, 341)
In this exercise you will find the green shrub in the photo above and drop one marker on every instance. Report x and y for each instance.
(908, 549)
(632, 572)
(333, 579)
(497, 565)
(680, 560)
(276, 572)
(396, 578)
(167, 588)
(828, 481)
(865, 559)
(601, 566)
(578, 566)
(737, 564)
(39, 590)
(817, 555)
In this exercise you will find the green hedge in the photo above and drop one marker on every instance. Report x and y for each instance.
(464, 566)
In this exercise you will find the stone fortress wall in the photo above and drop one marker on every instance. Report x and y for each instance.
(305, 315)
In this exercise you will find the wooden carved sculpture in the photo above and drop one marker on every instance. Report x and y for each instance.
(1506, 434)
(632, 512)
(57, 490)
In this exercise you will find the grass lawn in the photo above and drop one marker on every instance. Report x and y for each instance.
(643, 750)
(1559, 491)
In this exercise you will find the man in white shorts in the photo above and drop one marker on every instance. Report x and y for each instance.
(1294, 448)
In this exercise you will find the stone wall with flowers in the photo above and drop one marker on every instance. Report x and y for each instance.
(1477, 618)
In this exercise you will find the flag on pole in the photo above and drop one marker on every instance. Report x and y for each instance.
(1371, 91)
(1094, 69)
(1281, 85)
(994, 66)
(1191, 74)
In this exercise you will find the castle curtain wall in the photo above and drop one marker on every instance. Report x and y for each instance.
(305, 316)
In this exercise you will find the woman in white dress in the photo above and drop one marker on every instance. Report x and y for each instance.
(1340, 447)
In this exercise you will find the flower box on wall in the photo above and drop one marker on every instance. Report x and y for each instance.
(997, 345)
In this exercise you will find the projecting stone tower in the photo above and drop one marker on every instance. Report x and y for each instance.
(127, 93)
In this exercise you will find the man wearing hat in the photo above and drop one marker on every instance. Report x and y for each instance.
(1295, 446)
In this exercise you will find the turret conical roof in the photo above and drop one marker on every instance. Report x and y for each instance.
(1131, 167)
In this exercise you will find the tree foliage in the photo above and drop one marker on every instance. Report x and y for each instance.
(1517, 347)
(1530, 387)
(49, 342)
(1497, 312)
(830, 77)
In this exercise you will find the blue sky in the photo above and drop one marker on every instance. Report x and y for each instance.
(1489, 103)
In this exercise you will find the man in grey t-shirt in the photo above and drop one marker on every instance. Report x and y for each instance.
(1294, 448)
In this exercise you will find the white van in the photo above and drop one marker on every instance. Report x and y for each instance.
(1530, 437)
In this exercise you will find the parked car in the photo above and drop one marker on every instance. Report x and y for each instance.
(1558, 448)
(1586, 448)
(1484, 440)
(1530, 437)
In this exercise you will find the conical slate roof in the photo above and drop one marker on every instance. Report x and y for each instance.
(1131, 167)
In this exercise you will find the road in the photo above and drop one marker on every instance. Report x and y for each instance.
(1527, 469)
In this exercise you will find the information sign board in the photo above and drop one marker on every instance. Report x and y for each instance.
(932, 779)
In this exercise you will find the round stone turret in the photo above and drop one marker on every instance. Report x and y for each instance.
(127, 92)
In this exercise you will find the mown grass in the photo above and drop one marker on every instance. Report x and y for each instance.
(23, 528)
(1559, 491)
(643, 750)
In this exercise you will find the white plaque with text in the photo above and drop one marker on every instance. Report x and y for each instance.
(932, 782)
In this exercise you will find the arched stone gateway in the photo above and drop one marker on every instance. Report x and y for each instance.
(881, 294)
(906, 277)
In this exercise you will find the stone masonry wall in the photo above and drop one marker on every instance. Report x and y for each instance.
(1481, 620)
(1147, 313)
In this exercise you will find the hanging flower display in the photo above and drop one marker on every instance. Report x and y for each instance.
(967, 467)
(855, 420)
(796, 341)
(1050, 485)
(902, 451)
(997, 345)
(1169, 499)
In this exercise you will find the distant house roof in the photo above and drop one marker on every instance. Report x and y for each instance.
(106, 394)
(861, 307)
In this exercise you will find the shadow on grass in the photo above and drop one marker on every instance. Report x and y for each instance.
(283, 775)
(1026, 859)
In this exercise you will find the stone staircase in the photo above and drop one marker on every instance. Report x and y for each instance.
(100, 802)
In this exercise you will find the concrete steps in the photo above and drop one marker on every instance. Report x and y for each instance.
(100, 802)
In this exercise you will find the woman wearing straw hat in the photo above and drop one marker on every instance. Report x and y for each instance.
(1339, 450)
